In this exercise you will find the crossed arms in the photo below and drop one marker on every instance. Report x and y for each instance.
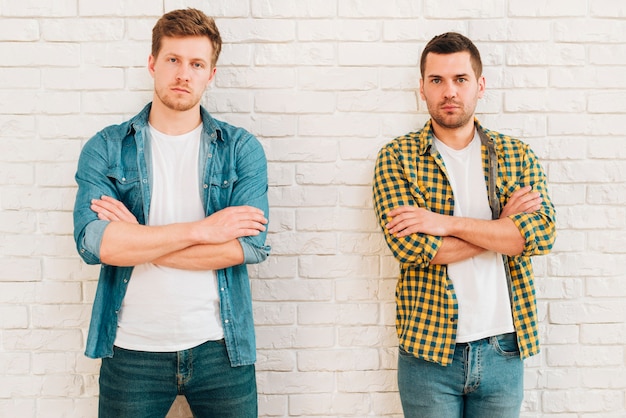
(409, 197)
(466, 237)
(209, 244)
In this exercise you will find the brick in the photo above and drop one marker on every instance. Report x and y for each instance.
(392, 8)
(537, 8)
(574, 312)
(334, 266)
(339, 30)
(256, 78)
(548, 101)
(329, 405)
(607, 55)
(607, 8)
(19, 269)
(216, 8)
(342, 314)
(371, 54)
(294, 383)
(34, 8)
(258, 30)
(408, 30)
(309, 290)
(13, 317)
(295, 102)
(25, 408)
(551, 55)
(606, 334)
(337, 79)
(61, 316)
(367, 381)
(22, 30)
(31, 54)
(272, 405)
(290, 9)
(120, 8)
(272, 314)
(338, 360)
(365, 336)
(81, 29)
(276, 360)
(42, 340)
(582, 401)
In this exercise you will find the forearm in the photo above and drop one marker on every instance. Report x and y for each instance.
(204, 257)
(454, 249)
(128, 244)
(500, 235)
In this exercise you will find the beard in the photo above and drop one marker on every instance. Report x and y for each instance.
(180, 104)
(451, 120)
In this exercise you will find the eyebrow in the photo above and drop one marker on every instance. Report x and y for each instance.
(175, 55)
(455, 76)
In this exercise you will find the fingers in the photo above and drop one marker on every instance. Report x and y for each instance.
(110, 209)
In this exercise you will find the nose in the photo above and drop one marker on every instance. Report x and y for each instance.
(183, 73)
(449, 90)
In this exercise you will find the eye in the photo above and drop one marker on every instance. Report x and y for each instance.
(198, 65)
(462, 80)
(435, 81)
(172, 59)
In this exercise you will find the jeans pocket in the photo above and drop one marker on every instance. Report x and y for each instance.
(506, 344)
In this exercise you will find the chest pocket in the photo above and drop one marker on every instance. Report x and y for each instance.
(128, 186)
(221, 190)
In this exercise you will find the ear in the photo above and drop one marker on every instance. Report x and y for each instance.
(481, 86)
(211, 77)
(422, 89)
(151, 62)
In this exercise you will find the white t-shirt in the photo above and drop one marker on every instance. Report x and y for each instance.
(479, 282)
(167, 309)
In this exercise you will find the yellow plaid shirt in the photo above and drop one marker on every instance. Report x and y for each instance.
(407, 173)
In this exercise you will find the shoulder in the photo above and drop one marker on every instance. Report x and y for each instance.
(507, 145)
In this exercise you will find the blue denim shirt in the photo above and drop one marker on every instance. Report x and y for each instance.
(117, 162)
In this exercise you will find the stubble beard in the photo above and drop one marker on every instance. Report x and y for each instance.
(179, 105)
(449, 121)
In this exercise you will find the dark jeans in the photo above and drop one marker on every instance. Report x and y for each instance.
(137, 384)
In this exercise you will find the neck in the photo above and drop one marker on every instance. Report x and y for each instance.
(173, 122)
(455, 138)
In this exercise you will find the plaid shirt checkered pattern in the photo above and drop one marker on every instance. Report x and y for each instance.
(406, 173)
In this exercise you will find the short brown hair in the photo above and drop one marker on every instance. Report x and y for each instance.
(449, 43)
(186, 22)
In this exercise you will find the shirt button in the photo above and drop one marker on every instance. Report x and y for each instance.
(209, 156)
(226, 321)
(206, 186)
(123, 178)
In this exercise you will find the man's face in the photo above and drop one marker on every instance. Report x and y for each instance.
(182, 71)
(451, 89)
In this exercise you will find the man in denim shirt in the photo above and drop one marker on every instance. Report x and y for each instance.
(173, 204)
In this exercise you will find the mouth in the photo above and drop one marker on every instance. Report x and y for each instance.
(448, 107)
(180, 90)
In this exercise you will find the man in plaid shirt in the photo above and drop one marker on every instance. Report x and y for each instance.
(463, 209)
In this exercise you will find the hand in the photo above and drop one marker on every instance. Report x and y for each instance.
(231, 223)
(110, 209)
(523, 200)
(407, 220)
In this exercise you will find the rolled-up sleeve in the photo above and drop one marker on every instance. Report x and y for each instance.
(537, 228)
(92, 184)
(391, 190)
(251, 190)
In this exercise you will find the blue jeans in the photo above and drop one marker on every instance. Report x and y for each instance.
(142, 384)
(485, 380)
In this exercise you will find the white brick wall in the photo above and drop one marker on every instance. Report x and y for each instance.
(323, 84)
